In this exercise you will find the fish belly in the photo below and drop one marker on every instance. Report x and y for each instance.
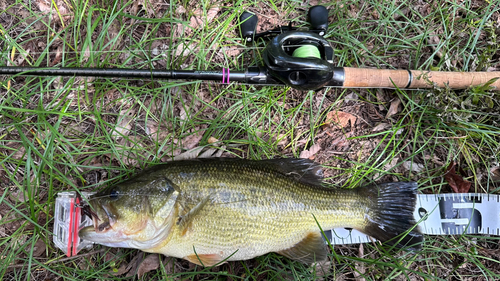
(243, 234)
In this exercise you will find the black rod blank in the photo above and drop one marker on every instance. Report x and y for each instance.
(252, 75)
(224, 75)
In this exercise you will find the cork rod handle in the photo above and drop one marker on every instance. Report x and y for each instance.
(415, 79)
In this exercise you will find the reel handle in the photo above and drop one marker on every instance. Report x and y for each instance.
(248, 24)
(318, 17)
(299, 72)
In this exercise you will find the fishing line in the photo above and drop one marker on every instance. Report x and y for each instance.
(136, 51)
(92, 197)
(307, 51)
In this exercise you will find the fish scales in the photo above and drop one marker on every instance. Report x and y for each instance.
(239, 209)
(243, 212)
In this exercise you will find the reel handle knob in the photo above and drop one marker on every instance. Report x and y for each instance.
(248, 24)
(318, 17)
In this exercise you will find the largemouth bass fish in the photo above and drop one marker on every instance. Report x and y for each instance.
(213, 210)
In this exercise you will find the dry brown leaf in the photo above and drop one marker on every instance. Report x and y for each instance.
(282, 140)
(130, 148)
(180, 10)
(151, 262)
(54, 8)
(220, 151)
(152, 8)
(393, 109)
(193, 140)
(20, 151)
(199, 20)
(351, 97)
(208, 153)
(18, 196)
(342, 141)
(86, 53)
(121, 270)
(214, 151)
(212, 140)
(109, 256)
(311, 151)
(413, 167)
(495, 173)
(39, 248)
(168, 263)
(434, 40)
(122, 127)
(2, 229)
(186, 50)
(360, 267)
(156, 131)
(231, 51)
(58, 57)
(381, 127)
(389, 166)
(322, 269)
(133, 264)
(168, 153)
(196, 21)
(152, 127)
(190, 154)
(22, 56)
(457, 182)
(435, 159)
(340, 118)
(178, 31)
(380, 99)
(212, 12)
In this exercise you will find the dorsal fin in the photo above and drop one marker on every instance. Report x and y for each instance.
(303, 170)
(311, 249)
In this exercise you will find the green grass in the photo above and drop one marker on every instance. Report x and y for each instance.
(83, 134)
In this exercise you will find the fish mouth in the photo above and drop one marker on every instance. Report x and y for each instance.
(107, 238)
(102, 231)
(108, 219)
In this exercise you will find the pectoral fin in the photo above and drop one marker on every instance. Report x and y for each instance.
(311, 249)
(205, 260)
(186, 216)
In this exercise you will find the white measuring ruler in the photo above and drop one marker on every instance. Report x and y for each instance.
(442, 214)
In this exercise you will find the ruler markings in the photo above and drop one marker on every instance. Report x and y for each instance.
(448, 214)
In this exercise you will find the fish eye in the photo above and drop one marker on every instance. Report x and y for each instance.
(114, 194)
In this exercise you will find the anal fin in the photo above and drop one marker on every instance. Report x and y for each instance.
(311, 249)
(204, 259)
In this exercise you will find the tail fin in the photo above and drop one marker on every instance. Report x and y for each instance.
(390, 218)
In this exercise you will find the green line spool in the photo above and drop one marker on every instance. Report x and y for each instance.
(307, 51)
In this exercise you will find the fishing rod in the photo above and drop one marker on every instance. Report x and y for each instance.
(295, 57)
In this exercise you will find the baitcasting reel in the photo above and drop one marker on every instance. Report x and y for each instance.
(301, 59)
